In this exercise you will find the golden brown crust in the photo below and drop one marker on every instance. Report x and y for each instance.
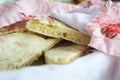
(15, 27)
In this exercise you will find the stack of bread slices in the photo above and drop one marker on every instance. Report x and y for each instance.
(24, 42)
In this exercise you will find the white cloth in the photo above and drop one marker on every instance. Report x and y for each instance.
(95, 66)
(78, 18)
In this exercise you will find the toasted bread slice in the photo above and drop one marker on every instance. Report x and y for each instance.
(21, 49)
(54, 28)
(15, 27)
(64, 53)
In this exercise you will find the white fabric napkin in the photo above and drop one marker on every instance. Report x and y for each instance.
(78, 18)
(95, 66)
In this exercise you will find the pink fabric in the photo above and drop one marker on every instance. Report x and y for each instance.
(25, 9)
(89, 3)
(107, 17)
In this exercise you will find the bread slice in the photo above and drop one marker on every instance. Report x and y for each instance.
(54, 28)
(15, 27)
(21, 49)
(64, 53)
